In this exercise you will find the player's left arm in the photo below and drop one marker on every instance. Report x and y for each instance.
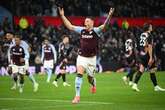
(9, 55)
(150, 50)
(54, 53)
(27, 56)
(150, 54)
(25, 45)
(101, 27)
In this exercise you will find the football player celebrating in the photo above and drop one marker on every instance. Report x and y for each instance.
(86, 60)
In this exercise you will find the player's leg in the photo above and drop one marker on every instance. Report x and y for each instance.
(126, 77)
(9, 70)
(91, 79)
(14, 75)
(15, 79)
(63, 73)
(154, 80)
(132, 72)
(78, 83)
(21, 76)
(91, 68)
(58, 76)
(137, 77)
(64, 80)
(49, 74)
(81, 64)
(21, 73)
(31, 77)
(56, 79)
(129, 77)
(49, 69)
(61, 66)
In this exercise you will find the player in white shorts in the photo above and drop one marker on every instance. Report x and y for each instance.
(18, 55)
(86, 60)
(11, 39)
(48, 58)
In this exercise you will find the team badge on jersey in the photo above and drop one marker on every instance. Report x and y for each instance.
(20, 49)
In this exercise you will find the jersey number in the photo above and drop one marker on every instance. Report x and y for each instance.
(143, 40)
(128, 45)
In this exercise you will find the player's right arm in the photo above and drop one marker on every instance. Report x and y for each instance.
(106, 22)
(67, 23)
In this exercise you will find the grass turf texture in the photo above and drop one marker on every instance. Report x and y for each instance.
(112, 94)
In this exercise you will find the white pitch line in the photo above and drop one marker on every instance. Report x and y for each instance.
(46, 107)
(50, 100)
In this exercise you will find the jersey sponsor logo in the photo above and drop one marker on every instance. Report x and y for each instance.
(90, 32)
(13, 49)
(48, 51)
(16, 53)
(87, 36)
(20, 49)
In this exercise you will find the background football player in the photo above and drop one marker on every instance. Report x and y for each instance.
(48, 57)
(147, 58)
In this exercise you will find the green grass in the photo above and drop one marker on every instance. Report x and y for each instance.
(112, 94)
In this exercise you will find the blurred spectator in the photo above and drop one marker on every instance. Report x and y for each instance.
(123, 8)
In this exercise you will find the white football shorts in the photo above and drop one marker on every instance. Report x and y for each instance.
(18, 69)
(48, 64)
(89, 64)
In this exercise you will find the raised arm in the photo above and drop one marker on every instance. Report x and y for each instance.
(66, 22)
(107, 19)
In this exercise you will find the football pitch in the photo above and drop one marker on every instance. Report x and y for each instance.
(112, 94)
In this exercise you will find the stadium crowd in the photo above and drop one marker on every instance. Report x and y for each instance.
(125, 8)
